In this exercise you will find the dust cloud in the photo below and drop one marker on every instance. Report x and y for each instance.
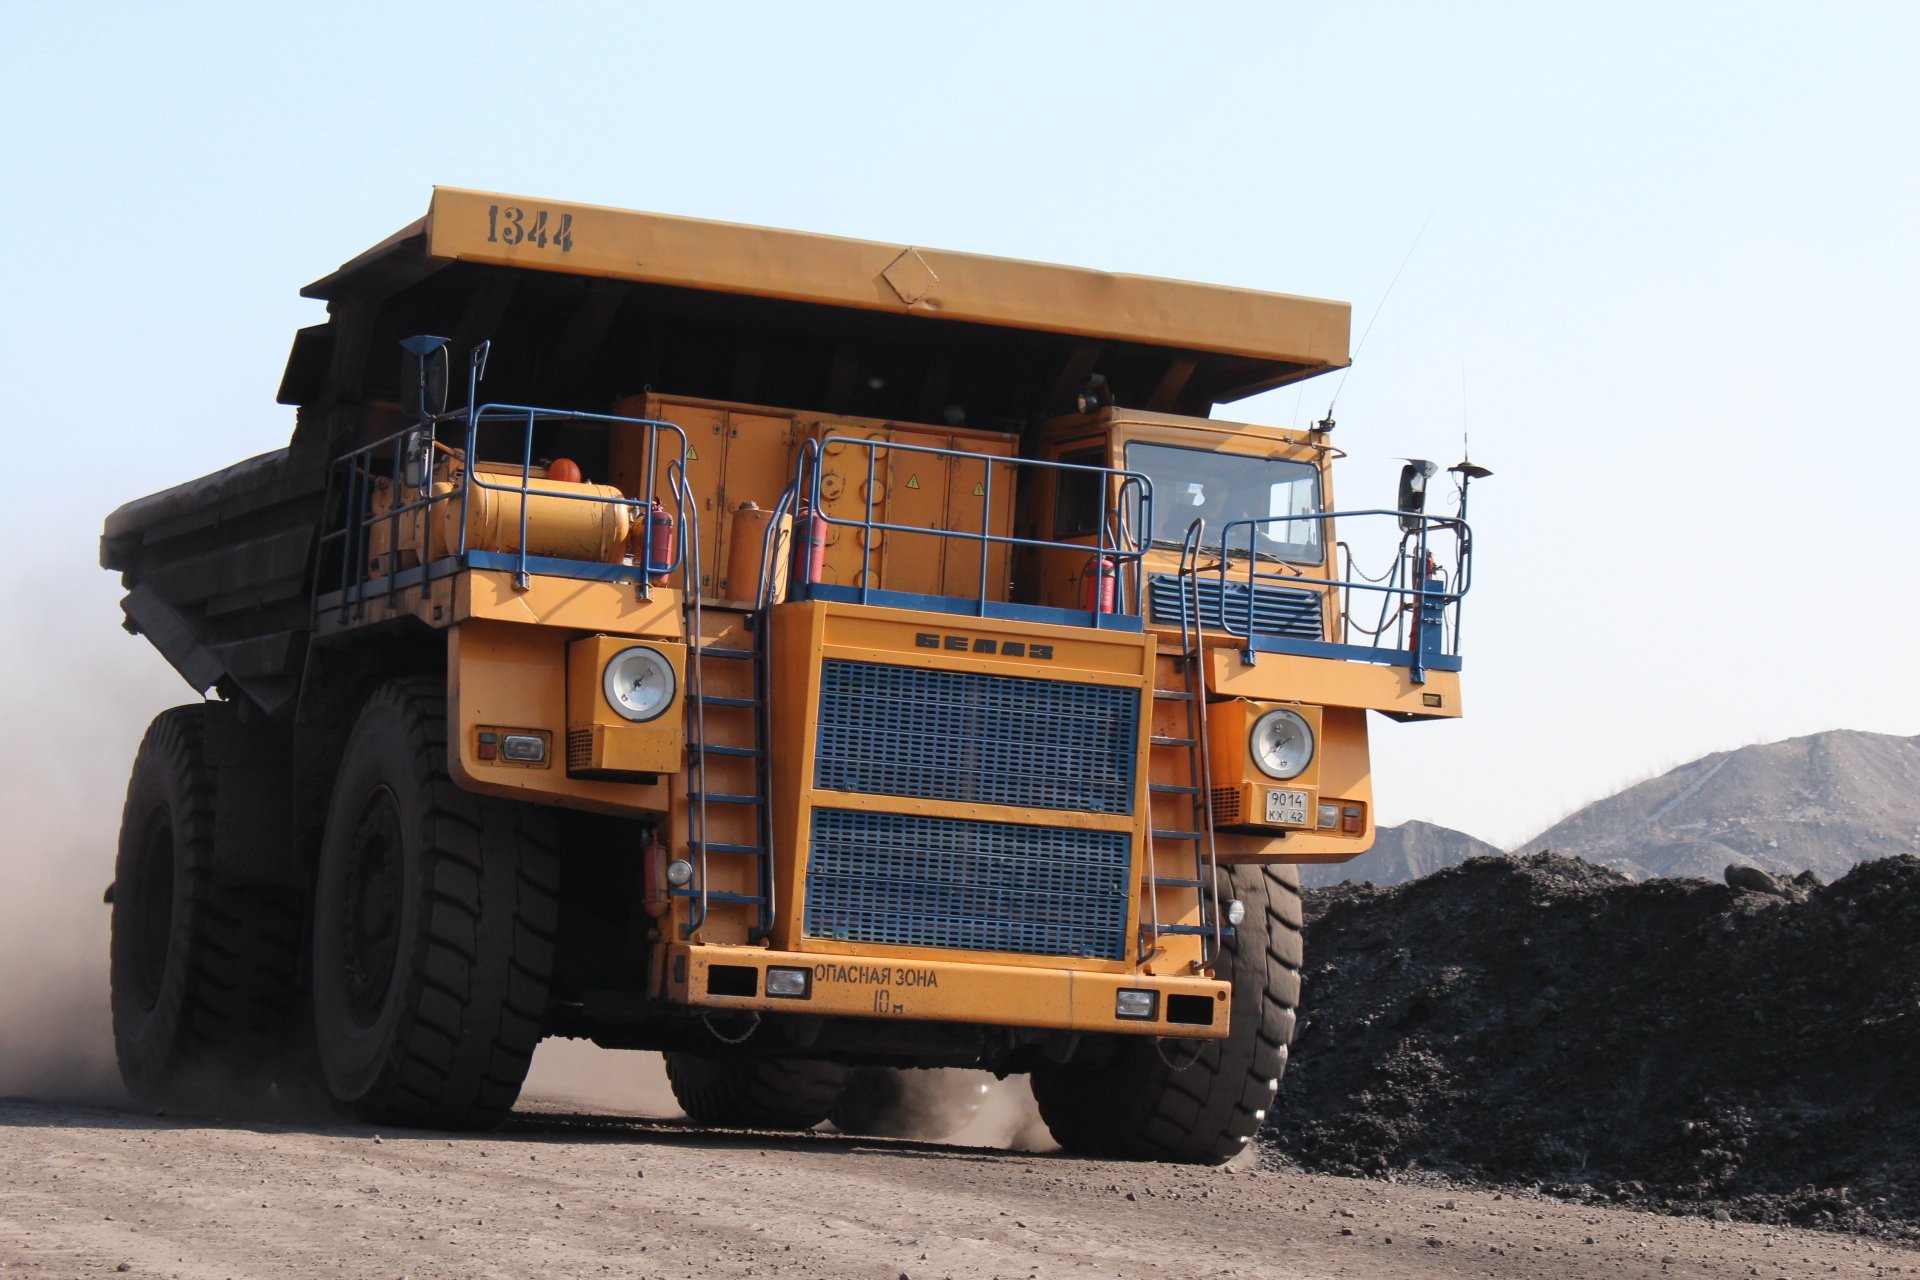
(79, 696)
(1008, 1117)
(616, 1081)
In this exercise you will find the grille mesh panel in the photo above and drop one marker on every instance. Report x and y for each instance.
(1277, 611)
(914, 881)
(961, 735)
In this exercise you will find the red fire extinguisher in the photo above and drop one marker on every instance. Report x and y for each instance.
(810, 544)
(1100, 585)
(654, 898)
(660, 529)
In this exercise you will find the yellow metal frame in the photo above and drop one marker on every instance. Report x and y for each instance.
(898, 984)
(726, 257)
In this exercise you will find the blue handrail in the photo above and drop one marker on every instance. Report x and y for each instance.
(1415, 579)
(406, 457)
(1114, 542)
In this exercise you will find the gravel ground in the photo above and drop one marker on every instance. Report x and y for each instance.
(94, 1192)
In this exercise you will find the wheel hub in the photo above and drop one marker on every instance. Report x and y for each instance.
(153, 917)
(370, 921)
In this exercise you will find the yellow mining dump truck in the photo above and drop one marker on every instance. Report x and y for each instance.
(815, 659)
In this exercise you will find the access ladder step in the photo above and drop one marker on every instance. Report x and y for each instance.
(722, 797)
(1160, 740)
(715, 749)
(746, 850)
(1158, 834)
(1173, 695)
(722, 700)
(1174, 882)
(1172, 789)
(714, 895)
(715, 651)
(1196, 930)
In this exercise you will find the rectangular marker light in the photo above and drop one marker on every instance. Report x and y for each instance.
(790, 984)
(1140, 1006)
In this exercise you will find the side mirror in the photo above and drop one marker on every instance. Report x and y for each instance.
(423, 375)
(1413, 492)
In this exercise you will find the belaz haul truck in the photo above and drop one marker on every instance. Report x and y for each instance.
(812, 658)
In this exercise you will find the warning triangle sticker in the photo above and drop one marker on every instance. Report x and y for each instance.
(693, 454)
(913, 482)
(979, 491)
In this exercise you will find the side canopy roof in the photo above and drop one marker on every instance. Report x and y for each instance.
(803, 320)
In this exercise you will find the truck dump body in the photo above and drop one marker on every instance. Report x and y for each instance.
(615, 301)
(805, 656)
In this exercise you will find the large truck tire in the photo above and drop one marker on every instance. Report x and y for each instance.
(435, 912)
(202, 973)
(754, 1093)
(1169, 1103)
(925, 1104)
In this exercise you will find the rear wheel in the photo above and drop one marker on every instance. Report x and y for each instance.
(435, 912)
(1199, 1102)
(754, 1093)
(202, 972)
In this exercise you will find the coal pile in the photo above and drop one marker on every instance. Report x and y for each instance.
(1670, 1044)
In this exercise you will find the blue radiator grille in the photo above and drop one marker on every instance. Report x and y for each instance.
(913, 881)
(981, 739)
(1277, 611)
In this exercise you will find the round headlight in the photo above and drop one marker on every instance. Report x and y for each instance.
(1282, 744)
(639, 683)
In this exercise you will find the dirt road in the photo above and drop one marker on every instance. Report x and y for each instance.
(88, 1191)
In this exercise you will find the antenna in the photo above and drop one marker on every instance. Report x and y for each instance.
(1326, 423)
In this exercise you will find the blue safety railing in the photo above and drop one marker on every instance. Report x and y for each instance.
(407, 465)
(1116, 553)
(1417, 623)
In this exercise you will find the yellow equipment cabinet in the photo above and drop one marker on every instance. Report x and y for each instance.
(885, 660)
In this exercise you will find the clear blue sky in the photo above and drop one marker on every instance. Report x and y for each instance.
(1671, 260)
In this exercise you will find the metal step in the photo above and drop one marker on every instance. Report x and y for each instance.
(1160, 740)
(716, 749)
(722, 700)
(1195, 930)
(1175, 835)
(748, 850)
(722, 797)
(711, 651)
(714, 895)
(1173, 695)
(1174, 882)
(1172, 789)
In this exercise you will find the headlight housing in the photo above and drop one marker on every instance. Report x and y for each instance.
(639, 683)
(1282, 744)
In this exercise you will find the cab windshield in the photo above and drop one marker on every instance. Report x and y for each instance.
(1190, 484)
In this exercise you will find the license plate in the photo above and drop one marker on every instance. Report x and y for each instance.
(1286, 808)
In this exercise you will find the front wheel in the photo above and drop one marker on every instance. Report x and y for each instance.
(435, 912)
(1159, 1102)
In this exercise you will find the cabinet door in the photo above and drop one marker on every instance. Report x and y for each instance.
(917, 489)
(853, 485)
(977, 502)
(758, 468)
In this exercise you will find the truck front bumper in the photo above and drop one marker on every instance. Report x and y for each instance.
(720, 977)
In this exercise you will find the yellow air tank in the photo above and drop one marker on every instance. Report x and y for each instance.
(749, 534)
(560, 521)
